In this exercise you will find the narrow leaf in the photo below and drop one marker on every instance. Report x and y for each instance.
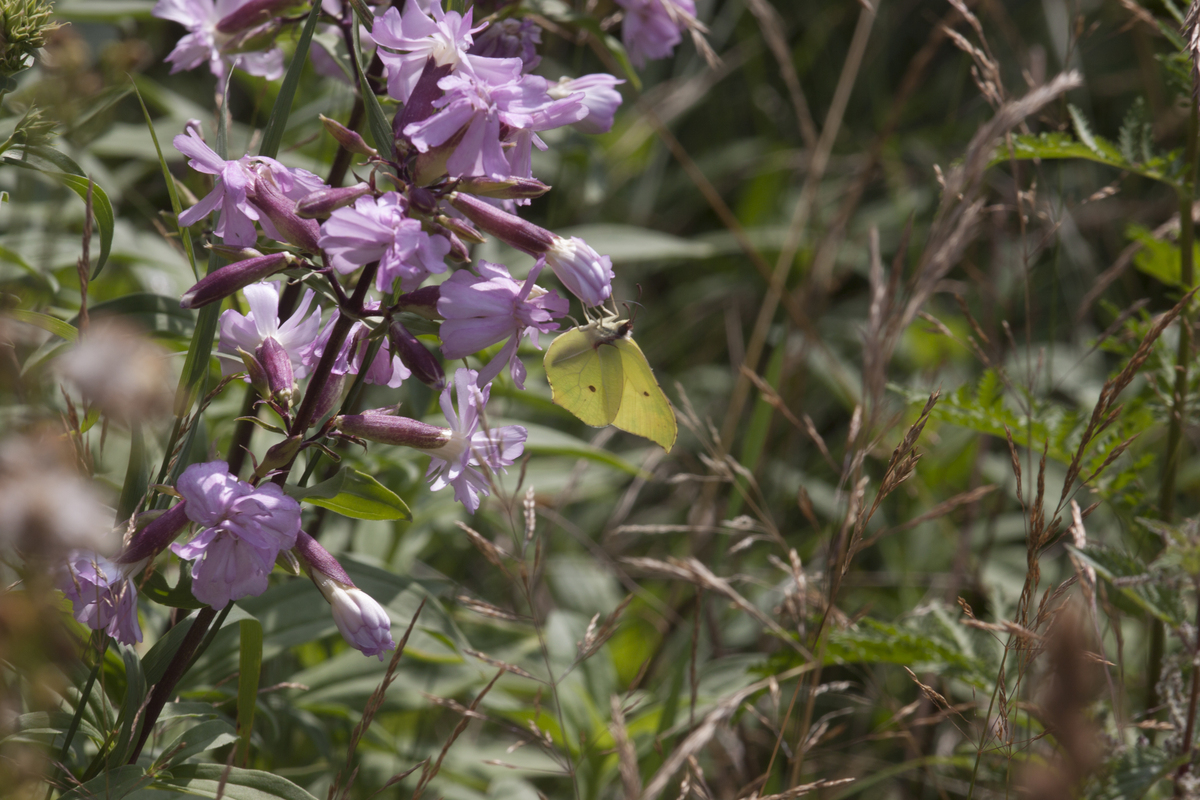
(273, 135)
(250, 667)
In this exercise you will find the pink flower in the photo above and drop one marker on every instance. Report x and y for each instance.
(652, 28)
(102, 594)
(481, 311)
(600, 98)
(478, 105)
(445, 38)
(235, 186)
(204, 43)
(378, 230)
(249, 332)
(459, 460)
(243, 529)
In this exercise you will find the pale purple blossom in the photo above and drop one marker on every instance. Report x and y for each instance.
(242, 531)
(511, 38)
(295, 335)
(204, 44)
(362, 621)
(234, 187)
(445, 37)
(102, 594)
(581, 269)
(482, 311)
(480, 107)
(600, 98)
(386, 369)
(459, 461)
(376, 229)
(652, 28)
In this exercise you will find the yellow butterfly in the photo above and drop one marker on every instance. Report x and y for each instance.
(599, 374)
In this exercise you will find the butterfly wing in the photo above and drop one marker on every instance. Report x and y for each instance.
(644, 409)
(585, 375)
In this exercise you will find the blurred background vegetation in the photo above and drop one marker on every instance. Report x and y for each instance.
(725, 615)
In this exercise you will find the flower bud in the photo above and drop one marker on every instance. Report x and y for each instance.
(279, 455)
(251, 13)
(508, 228)
(420, 103)
(581, 269)
(323, 202)
(154, 538)
(252, 39)
(423, 364)
(256, 374)
(331, 395)
(281, 380)
(381, 426)
(361, 620)
(461, 227)
(504, 188)
(281, 212)
(229, 279)
(423, 302)
(350, 140)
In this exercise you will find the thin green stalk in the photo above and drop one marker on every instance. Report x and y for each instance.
(83, 701)
(1166, 500)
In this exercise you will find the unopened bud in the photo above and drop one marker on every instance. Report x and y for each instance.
(381, 426)
(281, 212)
(420, 102)
(276, 362)
(323, 202)
(423, 364)
(461, 227)
(331, 395)
(256, 374)
(508, 228)
(348, 139)
(228, 279)
(423, 302)
(504, 188)
(251, 13)
(154, 538)
(279, 455)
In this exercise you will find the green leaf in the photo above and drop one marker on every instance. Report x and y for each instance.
(198, 739)
(154, 663)
(64, 330)
(1158, 258)
(135, 696)
(378, 128)
(111, 784)
(179, 596)
(62, 168)
(137, 473)
(1136, 581)
(216, 780)
(185, 234)
(875, 642)
(1063, 146)
(353, 494)
(273, 134)
(250, 656)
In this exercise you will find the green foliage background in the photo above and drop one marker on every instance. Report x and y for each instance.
(730, 593)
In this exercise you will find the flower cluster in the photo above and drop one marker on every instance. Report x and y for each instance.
(380, 259)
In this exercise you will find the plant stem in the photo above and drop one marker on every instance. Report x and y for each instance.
(1190, 729)
(175, 670)
(1166, 500)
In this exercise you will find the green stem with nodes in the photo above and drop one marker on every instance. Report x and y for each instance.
(1166, 500)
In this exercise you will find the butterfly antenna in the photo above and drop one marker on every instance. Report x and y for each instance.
(632, 314)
